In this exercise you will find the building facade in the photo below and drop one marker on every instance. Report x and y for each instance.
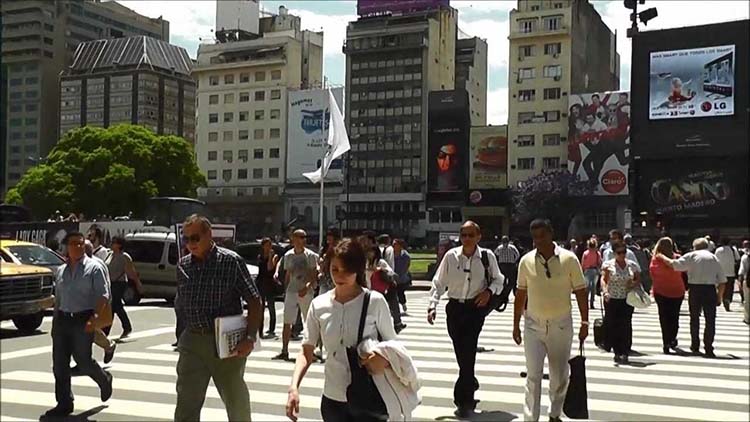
(393, 60)
(136, 80)
(38, 41)
(242, 118)
(471, 74)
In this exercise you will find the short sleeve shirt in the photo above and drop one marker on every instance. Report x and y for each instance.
(549, 297)
(78, 288)
(299, 266)
(619, 277)
(116, 263)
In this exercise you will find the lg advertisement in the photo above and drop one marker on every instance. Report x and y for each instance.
(599, 141)
(697, 82)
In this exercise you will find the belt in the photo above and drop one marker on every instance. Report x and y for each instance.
(463, 301)
(74, 315)
(203, 331)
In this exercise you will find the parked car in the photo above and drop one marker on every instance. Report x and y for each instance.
(28, 253)
(155, 259)
(25, 292)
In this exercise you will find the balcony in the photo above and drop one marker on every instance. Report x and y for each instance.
(9, 46)
(518, 34)
(364, 45)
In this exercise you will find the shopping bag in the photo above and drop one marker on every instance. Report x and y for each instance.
(576, 398)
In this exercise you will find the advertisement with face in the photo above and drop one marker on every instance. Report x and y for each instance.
(697, 82)
(308, 133)
(448, 141)
(599, 141)
(488, 148)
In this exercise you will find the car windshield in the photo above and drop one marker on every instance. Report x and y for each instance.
(34, 255)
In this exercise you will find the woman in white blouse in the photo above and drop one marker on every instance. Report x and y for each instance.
(334, 318)
(619, 276)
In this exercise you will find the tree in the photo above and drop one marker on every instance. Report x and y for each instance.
(109, 171)
(553, 195)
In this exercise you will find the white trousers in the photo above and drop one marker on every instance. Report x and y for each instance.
(550, 338)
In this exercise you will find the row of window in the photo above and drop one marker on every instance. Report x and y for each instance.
(529, 50)
(244, 135)
(16, 108)
(242, 154)
(259, 76)
(29, 121)
(17, 95)
(553, 71)
(244, 97)
(549, 23)
(548, 163)
(384, 64)
(550, 139)
(406, 92)
(242, 174)
(400, 77)
(387, 111)
(16, 149)
(531, 117)
(31, 80)
(18, 68)
(525, 95)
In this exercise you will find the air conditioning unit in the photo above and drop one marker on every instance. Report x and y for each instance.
(515, 141)
(557, 78)
(513, 166)
(556, 55)
(565, 94)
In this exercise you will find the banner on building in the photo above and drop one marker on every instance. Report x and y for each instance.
(599, 140)
(488, 147)
(448, 140)
(50, 235)
(697, 82)
(307, 133)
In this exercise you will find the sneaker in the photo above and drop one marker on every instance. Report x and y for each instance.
(106, 389)
(281, 356)
(110, 353)
(464, 412)
(59, 411)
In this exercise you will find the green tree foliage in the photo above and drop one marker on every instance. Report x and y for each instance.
(109, 171)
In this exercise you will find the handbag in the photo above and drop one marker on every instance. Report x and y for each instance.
(362, 395)
(576, 398)
(381, 282)
(638, 298)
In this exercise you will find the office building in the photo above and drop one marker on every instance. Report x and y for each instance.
(243, 79)
(137, 80)
(396, 54)
(471, 75)
(38, 41)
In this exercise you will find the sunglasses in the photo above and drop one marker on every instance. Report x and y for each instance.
(546, 269)
(468, 235)
(192, 238)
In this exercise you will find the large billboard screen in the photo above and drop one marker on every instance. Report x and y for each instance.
(308, 133)
(698, 82)
(488, 168)
(599, 141)
(448, 141)
(369, 7)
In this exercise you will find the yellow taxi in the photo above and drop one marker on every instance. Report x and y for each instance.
(25, 292)
(28, 253)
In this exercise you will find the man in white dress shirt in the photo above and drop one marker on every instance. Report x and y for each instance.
(462, 272)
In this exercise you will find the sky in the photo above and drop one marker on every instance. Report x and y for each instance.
(191, 23)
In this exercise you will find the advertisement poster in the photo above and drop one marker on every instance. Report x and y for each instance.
(448, 141)
(698, 82)
(50, 235)
(307, 133)
(488, 148)
(599, 141)
(223, 235)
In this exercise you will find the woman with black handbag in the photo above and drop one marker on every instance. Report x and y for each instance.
(341, 318)
(620, 275)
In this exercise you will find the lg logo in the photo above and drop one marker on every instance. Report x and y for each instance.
(718, 105)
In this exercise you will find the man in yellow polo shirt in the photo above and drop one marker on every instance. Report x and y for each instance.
(547, 276)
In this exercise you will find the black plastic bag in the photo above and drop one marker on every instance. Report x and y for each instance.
(576, 398)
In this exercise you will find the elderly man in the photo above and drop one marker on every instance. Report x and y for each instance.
(211, 283)
(81, 306)
(507, 259)
(706, 283)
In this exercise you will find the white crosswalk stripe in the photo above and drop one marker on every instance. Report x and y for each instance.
(655, 387)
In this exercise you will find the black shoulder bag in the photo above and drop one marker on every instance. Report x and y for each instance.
(362, 395)
(498, 302)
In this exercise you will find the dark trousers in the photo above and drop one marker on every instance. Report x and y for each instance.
(70, 339)
(510, 271)
(669, 318)
(269, 301)
(179, 323)
(401, 290)
(729, 290)
(464, 322)
(392, 298)
(703, 298)
(118, 306)
(618, 320)
(338, 411)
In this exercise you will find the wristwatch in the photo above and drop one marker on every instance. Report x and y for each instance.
(252, 338)
(586, 323)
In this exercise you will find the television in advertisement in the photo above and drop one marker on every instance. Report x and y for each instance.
(372, 7)
(448, 141)
(599, 141)
(488, 154)
(697, 82)
(307, 133)
(712, 191)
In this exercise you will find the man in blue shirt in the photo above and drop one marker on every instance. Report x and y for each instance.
(81, 304)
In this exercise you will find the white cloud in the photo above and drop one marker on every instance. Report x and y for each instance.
(333, 26)
(187, 19)
(497, 107)
(496, 36)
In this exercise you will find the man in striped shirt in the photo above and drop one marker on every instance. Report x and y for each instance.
(507, 258)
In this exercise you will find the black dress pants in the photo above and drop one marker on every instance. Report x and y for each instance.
(338, 411)
(392, 298)
(118, 306)
(465, 323)
(618, 320)
(669, 317)
(703, 298)
(729, 290)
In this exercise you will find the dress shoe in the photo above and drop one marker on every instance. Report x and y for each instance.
(59, 411)
(106, 389)
(666, 350)
(110, 353)
(464, 412)
(710, 353)
(695, 350)
(555, 419)
(673, 344)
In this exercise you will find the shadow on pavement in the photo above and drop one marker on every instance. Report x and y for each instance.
(489, 416)
(11, 333)
(81, 417)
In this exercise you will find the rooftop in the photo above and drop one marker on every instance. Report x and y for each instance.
(134, 52)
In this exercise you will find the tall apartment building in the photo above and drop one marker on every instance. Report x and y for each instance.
(242, 116)
(39, 38)
(136, 80)
(471, 74)
(557, 48)
(394, 58)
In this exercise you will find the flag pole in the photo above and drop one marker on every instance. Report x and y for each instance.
(320, 214)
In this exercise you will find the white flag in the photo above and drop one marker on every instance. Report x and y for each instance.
(338, 141)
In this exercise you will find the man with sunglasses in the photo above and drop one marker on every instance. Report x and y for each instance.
(212, 282)
(462, 272)
(546, 277)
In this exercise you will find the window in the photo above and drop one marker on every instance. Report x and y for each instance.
(260, 114)
(244, 116)
(552, 116)
(228, 117)
(534, 8)
(275, 114)
(226, 175)
(260, 76)
(526, 25)
(211, 176)
(213, 80)
(526, 51)
(146, 251)
(32, 94)
(242, 174)
(273, 153)
(275, 75)
(260, 95)
(553, 48)
(244, 97)
(259, 192)
(227, 156)
(213, 118)
(551, 139)
(526, 164)
(32, 80)
(551, 93)
(257, 173)
(526, 95)
(213, 136)
(243, 135)
(212, 155)
(558, 5)
(552, 71)
(213, 99)
(258, 134)
(30, 135)
(244, 78)
(552, 23)
(549, 163)
(526, 73)
(228, 98)
(258, 154)
(228, 79)
(228, 136)
(526, 140)
(275, 133)
(273, 173)
(30, 121)
(526, 117)
(275, 94)
(242, 155)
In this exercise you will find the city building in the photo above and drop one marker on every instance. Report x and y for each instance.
(241, 132)
(137, 80)
(396, 54)
(38, 41)
(471, 74)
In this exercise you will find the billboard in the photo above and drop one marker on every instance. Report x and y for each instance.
(448, 140)
(370, 7)
(709, 191)
(599, 141)
(307, 133)
(488, 147)
(697, 82)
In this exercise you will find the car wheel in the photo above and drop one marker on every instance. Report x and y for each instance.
(28, 323)
(131, 297)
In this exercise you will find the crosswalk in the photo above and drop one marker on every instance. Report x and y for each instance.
(654, 387)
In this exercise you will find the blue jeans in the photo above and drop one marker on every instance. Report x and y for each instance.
(592, 276)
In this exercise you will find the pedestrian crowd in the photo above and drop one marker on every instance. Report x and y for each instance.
(349, 298)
